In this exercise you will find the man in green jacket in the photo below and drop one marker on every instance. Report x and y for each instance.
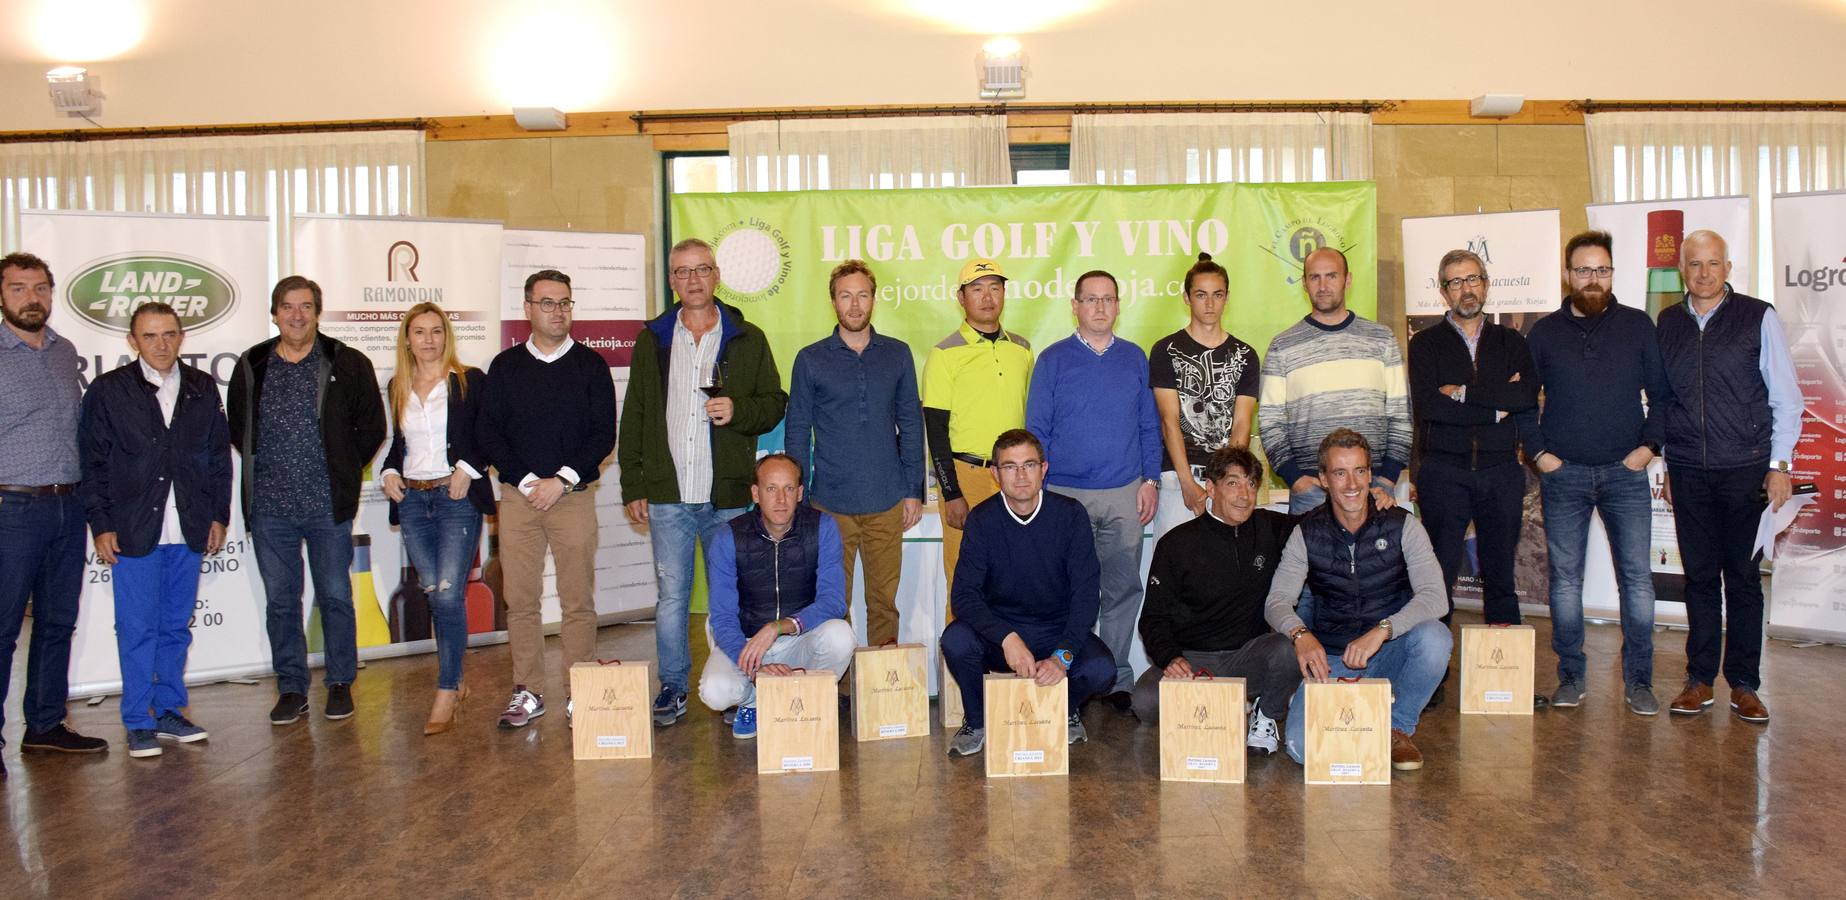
(702, 385)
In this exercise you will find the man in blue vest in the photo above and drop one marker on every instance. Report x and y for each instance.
(778, 594)
(1378, 596)
(1731, 428)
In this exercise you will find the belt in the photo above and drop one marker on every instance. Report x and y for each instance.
(971, 459)
(44, 490)
(426, 484)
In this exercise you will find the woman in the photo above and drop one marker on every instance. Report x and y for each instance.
(436, 481)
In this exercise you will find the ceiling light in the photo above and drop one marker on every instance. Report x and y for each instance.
(74, 91)
(1002, 68)
(538, 118)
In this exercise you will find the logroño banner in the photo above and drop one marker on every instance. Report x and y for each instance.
(214, 271)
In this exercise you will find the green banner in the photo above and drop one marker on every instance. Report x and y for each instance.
(775, 251)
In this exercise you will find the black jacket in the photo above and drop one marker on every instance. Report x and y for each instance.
(1465, 433)
(1207, 584)
(464, 408)
(352, 417)
(132, 457)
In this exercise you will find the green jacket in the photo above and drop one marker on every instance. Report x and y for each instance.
(750, 380)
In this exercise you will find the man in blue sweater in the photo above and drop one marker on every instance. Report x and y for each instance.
(1091, 406)
(1025, 593)
(778, 594)
(1592, 441)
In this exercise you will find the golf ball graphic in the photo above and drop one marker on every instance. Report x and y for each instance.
(748, 259)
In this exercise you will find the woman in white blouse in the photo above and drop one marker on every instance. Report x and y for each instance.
(437, 483)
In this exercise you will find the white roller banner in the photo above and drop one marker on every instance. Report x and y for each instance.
(214, 271)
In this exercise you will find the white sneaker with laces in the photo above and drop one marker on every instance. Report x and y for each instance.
(1263, 733)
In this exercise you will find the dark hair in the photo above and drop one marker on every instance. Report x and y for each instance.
(545, 275)
(1077, 285)
(1589, 239)
(756, 476)
(851, 267)
(154, 308)
(1205, 267)
(28, 262)
(1016, 437)
(1344, 439)
(293, 283)
(1345, 267)
(1229, 457)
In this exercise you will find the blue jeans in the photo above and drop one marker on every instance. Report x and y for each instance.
(154, 597)
(1414, 664)
(1625, 500)
(330, 561)
(441, 536)
(673, 529)
(41, 560)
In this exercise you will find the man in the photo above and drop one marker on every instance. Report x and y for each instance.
(1089, 404)
(1205, 385)
(855, 428)
(1468, 377)
(1205, 600)
(547, 422)
(1025, 594)
(306, 413)
(1595, 359)
(1731, 429)
(702, 386)
(41, 516)
(157, 487)
(778, 595)
(974, 388)
(1378, 596)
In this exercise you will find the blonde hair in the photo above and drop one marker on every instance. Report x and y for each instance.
(407, 364)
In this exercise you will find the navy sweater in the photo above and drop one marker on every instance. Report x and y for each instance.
(539, 417)
(1040, 579)
(1593, 371)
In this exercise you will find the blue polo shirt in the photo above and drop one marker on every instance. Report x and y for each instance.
(1095, 414)
(855, 425)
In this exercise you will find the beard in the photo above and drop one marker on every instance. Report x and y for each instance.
(1591, 303)
(29, 318)
(1468, 307)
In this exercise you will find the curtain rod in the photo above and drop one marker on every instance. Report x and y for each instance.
(117, 134)
(1596, 106)
(1358, 106)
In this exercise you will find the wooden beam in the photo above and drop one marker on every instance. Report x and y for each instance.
(1455, 112)
(690, 142)
(498, 128)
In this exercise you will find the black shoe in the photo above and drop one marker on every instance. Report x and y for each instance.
(288, 708)
(339, 701)
(62, 740)
(1123, 701)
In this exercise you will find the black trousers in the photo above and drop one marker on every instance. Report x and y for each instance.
(1450, 496)
(1715, 512)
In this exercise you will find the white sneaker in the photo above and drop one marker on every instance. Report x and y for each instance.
(1263, 733)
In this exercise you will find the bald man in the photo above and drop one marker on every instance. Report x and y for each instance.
(1731, 428)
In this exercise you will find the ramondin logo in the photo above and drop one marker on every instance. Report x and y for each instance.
(401, 262)
(795, 707)
(107, 291)
(1292, 243)
(754, 260)
(1201, 714)
(1346, 715)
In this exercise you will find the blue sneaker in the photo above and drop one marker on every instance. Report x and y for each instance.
(142, 743)
(669, 706)
(743, 727)
(175, 727)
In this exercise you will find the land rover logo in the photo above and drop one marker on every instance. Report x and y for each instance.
(108, 291)
(795, 707)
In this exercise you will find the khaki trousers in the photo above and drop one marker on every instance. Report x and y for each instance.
(568, 529)
(977, 484)
(878, 539)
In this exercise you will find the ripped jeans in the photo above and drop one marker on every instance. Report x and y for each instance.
(440, 536)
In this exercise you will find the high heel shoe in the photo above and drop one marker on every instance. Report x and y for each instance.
(434, 727)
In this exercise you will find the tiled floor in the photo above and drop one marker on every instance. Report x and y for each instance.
(1586, 802)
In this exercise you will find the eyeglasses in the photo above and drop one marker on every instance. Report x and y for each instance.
(1102, 301)
(684, 273)
(1468, 280)
(1011, 469)
(1592, 271)
(549, 305)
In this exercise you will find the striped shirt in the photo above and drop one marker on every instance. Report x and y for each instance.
(40, 398)
(1317, 378)
(688, 425)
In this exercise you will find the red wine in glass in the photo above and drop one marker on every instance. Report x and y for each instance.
(713, 385)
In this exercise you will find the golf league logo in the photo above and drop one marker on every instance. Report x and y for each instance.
(107, 291)
(754, 258)
(1292, 243)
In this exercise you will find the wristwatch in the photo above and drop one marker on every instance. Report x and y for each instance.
(1063, 657)
(1780, 465)
(1296, 634)
(1386, 625)
(1652, 447)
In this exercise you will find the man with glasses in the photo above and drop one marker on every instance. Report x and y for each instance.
(702, 386)
(1468, 377)
(1605, 388)
(547, 422)
(1731, 429)
(1025, 593)
(1091, 406)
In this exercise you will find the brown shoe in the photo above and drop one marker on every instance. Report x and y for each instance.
(1405, 757)
(1692, 700)
(1748, 706)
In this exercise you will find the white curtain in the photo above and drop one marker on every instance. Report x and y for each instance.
(376, 173)
(1688, 155)
(1202, 148)
(883, 152)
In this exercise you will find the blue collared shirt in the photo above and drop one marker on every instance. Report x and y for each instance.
(41, 398)
(855, 425)
(1778, 370)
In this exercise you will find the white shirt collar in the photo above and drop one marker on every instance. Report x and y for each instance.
(1092, 347)
(555, 355)
(154, 376)
(1035, 510)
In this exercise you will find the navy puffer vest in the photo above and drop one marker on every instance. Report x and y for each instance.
(1719, 415)
(1358, 580)
(775, 579)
